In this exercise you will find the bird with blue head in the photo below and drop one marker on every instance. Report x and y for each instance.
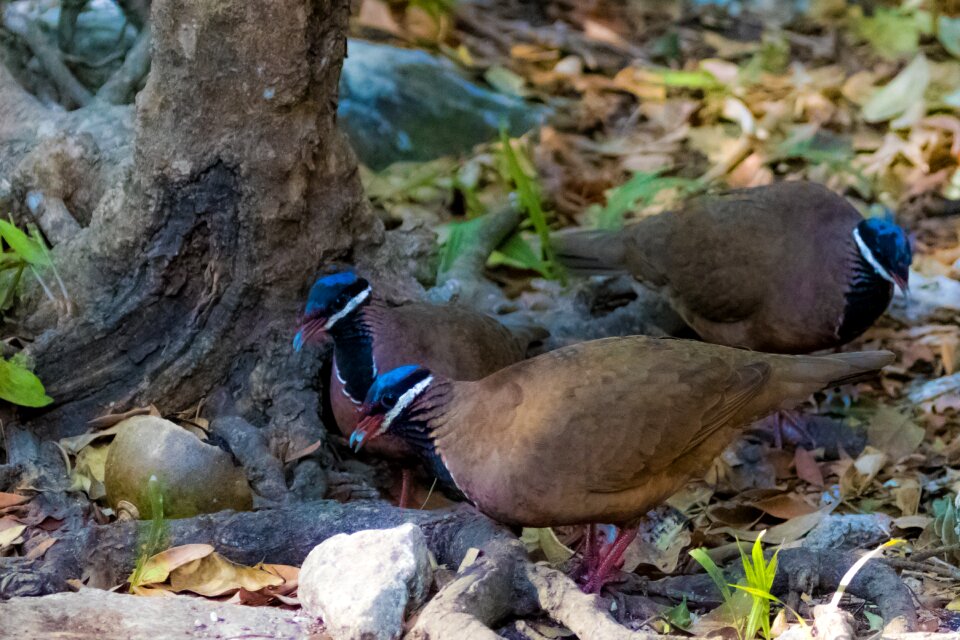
(790, 267)
(332, 298)
(597, 432)
(370, 336)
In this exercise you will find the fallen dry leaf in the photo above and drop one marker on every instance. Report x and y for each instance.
(12, 499)
(214, 575)
(11, 536)
(40, 548)
(158, 567)
(785, 506)
(807, 468)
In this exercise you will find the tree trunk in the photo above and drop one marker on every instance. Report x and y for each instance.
(191, 272)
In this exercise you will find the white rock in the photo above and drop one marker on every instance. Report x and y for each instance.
(362, 584)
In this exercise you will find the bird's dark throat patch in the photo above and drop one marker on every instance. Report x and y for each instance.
(353, 353)
(865, 300)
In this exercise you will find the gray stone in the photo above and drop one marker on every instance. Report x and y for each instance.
(362, 584)
(407, 105)
(195, 477)
(850, 531)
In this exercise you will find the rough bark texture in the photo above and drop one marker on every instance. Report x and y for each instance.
(191, 271)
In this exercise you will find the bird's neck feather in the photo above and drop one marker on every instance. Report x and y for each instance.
(866, 298)
(426, 415)
(353, 350)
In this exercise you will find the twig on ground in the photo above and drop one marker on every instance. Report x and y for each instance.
(119, 87)
(49, 56)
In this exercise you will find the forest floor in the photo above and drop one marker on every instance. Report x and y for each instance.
(648, 105)
(651, 105)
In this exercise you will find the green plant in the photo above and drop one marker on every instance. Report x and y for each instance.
(639, 191)
(758, 575)
(529, 198)
(18, 384)
(152, 535)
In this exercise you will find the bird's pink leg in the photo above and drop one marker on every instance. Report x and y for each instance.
(406, 479)
(589, 552)
(612, 560)
(786, 418)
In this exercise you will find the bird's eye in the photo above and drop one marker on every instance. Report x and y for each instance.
(388, 400)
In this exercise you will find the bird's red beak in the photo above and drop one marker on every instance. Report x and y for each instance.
(902, 282)
(311, 332)
(367, 429)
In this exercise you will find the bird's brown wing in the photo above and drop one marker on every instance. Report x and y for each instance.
(623, 408)
(723, 255)
(459, 343)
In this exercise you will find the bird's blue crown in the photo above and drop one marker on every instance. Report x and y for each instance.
(331, 293)
(395, 383)
(889, 244)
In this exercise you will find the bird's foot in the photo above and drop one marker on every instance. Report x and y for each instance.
(606, 561)
(406, 480)
(784, 422)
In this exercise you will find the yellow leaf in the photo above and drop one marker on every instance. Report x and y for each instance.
(10, 536)
(158, 568)
(152, 591)
(74, 445)
(893, 433)
(89, 471)
(546, 540)
(214, 575)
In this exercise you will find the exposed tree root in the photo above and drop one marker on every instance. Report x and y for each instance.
(811, 571)
(121, 86)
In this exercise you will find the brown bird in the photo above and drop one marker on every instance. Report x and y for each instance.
(789, 268)
(369, 336)
(597, 432)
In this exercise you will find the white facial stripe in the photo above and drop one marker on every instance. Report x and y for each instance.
(404, 401)
(355, 302)
(868, 256)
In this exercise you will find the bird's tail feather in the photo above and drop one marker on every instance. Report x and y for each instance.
(841, 368)
(590, 252)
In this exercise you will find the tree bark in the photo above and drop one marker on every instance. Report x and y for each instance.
(192, 269)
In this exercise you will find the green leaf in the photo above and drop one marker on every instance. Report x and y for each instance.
(460, 236)
(528, 195)
(687, 79)
(901, 93)
(20, 386)
(27, 248)
(875, 621)
(679, 616)
(948, 33)
(638, 192)
(816, 145)
(700, 555)
(757, 593)
(506, 81)
(517, 253)
(891, 32)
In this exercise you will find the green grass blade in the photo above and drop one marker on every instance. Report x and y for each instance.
(529, 198)
(152, 535)
(705, 561)
(26, 247)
